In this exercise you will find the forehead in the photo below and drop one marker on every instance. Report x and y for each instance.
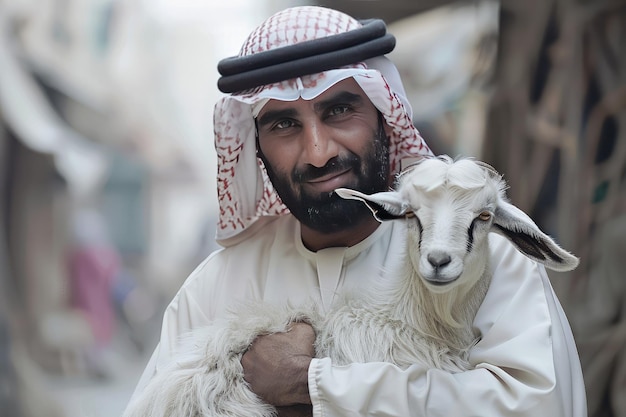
(348, 85)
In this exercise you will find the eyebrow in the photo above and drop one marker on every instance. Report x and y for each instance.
(271, 115)
(345, 97)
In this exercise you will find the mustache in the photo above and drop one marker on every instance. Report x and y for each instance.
(336, 164)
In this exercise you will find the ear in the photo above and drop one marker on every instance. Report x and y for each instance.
(515, 225)
(384, 205)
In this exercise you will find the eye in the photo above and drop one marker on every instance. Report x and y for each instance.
(283, 124)
(409, 214)
(338, 110)
(484, 216)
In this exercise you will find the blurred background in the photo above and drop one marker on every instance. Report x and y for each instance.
(107, 168)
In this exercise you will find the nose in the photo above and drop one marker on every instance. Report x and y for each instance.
(318, 144)
(438, 259)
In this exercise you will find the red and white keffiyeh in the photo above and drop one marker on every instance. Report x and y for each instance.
(246, 196)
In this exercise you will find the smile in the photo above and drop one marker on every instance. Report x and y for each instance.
(328, 183)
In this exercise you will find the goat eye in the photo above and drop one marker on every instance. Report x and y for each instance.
(484, 216)
(409, 214)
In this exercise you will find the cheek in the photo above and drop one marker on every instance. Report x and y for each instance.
(277, 171)
(360, 130)
(365, 135)
(280, 157)
(358, 142)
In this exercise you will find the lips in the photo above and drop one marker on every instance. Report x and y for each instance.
(329, 182)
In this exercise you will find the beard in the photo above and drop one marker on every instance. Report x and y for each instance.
(327, 212)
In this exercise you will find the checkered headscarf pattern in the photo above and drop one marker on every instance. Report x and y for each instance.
(297, 25)
(246, 196)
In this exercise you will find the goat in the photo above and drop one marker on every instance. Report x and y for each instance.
(423, 315)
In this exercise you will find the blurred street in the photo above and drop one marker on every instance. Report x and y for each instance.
(106, 395)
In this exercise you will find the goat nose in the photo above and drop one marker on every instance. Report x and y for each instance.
(438, 259)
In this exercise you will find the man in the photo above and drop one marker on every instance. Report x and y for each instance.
(302, 121)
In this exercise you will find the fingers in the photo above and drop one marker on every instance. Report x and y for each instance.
(276, 365)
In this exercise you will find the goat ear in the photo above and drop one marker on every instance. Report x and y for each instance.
(384, 205)
(515, 225)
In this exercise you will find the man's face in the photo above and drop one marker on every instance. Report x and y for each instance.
(310, 148)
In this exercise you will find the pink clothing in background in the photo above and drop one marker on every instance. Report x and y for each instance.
(92, 273)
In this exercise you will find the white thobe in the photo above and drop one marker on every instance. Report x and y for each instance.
(525, 364)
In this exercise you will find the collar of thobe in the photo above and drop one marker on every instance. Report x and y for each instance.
(329, 262)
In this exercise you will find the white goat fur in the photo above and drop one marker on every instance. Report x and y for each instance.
(423, 315)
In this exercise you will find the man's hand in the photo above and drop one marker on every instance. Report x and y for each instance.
(276, 366)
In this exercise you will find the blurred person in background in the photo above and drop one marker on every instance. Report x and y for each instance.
(292, 130)
(93, 265)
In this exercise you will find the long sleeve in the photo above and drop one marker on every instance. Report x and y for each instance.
(526, 363)
(182, 314)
